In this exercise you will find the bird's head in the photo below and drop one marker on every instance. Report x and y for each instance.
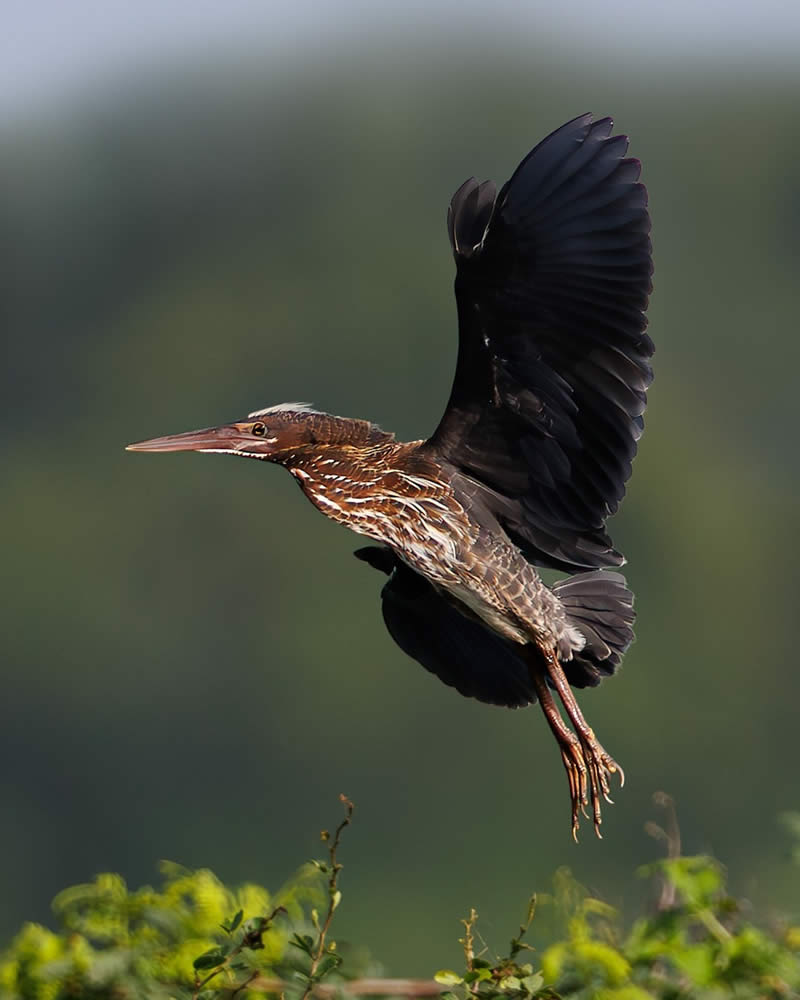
(274, 434)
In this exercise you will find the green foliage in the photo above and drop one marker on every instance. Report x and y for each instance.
(195, 939)
(152, 942)
(178, 257)
(698, 944)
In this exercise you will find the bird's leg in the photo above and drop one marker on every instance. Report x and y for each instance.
(571, 750)
(599, 763)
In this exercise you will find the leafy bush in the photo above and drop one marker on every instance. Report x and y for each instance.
(698, 946)
(195, 938)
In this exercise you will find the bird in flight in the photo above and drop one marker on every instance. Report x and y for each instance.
(529, 459)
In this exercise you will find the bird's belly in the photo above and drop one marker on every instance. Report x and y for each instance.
(431, 532)
(499, 621)
(493, 581)
(443, 548)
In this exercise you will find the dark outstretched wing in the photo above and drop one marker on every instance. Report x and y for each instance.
(459, 650)
(553, 277)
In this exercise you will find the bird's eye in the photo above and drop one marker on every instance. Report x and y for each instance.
(259, 430)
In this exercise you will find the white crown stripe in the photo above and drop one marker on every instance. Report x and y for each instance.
(284, 408)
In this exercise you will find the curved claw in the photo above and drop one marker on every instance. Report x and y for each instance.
(598, 765)
(587, 764)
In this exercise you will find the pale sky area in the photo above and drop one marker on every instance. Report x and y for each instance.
(51, 49)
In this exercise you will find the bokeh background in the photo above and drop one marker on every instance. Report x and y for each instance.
(205, 208)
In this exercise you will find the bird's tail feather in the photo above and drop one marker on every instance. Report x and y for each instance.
(600, 606)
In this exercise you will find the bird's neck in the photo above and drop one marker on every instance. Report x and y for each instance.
(346, 461)
(329, 431)
(344, 479)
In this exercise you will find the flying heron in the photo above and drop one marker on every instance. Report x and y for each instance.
(530, 457)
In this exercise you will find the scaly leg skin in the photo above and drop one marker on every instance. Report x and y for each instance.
(600, 764)
(586, 762)
(571, 750)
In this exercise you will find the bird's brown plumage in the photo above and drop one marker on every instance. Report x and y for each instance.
(530, 457)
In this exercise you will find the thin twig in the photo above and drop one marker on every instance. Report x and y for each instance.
(671, 836)
(333, 892)
(468, 941)
(355, 988)
(247, 982)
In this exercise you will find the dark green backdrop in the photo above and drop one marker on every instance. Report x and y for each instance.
(194, 665)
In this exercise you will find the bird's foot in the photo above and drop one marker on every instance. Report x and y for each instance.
(600, 765)
(577, 774)
(586, 762)
(588, 768)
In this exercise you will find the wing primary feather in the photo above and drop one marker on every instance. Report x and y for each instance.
(553, 279)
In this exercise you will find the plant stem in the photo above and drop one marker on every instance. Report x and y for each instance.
(333, 893)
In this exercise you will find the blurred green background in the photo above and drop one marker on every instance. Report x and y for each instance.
(194, 666)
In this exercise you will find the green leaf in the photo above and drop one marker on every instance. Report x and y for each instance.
(554, 960)
(336, 898)
(236, 920)
(533, 983)
(614, 965)
(209, 959)
(304, 942)
(477, 975)
(327, 965)
(599, 908)
(697, 962)
(446, 977)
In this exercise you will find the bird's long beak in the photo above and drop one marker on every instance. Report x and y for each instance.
(230, 438)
